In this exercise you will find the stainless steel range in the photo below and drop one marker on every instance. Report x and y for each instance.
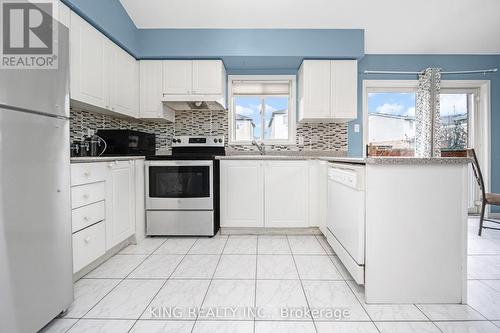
(182, 189)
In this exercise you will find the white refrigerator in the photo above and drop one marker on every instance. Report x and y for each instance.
(35, 217)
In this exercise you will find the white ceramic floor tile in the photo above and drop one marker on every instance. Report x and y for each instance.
(117, 267)
(241, 245)
(493, 284)
(59, 326)
(223, 327)
(179, 245)
(101, 326)
(497, 323)
(324, 243)
(482, 245)
(196, 267)
(278, 267)
(334, 295)
(407, 327)
(87, 292)
(305, 245)
(157, 266)
(145, 246)
(236, 266)
(467, 327)
(346, 327)
(341, 268)
(237, 295)
(284, 327)
(180, 296)
(156, 326)
(483, 267)
(450, 312)
(275, 294)
(484, 298)
(273, 245)
(127, 301)
(213, 245)
(316, 268)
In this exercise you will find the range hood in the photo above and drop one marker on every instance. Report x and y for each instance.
(195, 103)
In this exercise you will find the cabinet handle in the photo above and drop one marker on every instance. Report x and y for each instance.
(87, 174)
(87, 240)
(85, 196)
(86, 218)
(110, 165)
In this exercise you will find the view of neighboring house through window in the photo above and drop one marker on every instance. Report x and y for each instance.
(261, 110)
(391, 120)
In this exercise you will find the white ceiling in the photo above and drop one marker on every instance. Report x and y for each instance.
(391, 26)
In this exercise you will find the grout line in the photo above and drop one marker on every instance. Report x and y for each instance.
(116, 286)
(164, 283)
(210, 283)
(302, 286)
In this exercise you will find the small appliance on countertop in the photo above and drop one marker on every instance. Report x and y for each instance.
(126, 142)
(182, 189)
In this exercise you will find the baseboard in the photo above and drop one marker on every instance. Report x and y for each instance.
(111, 252)
(270, 231)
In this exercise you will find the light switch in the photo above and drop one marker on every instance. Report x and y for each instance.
(356, 128)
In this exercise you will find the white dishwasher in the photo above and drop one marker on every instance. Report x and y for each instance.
(346, 216)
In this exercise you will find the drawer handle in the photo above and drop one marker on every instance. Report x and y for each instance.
(86, 218)
(87, 240)
(86, 196)
(87, 174)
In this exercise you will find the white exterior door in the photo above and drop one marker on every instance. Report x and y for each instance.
(286, 194)
(242, 190)
(177, 77)
(207, 77)
(120, 202)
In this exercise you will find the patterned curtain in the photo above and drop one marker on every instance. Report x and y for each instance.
(427, 119)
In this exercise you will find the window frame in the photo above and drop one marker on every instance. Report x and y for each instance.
(292, 106)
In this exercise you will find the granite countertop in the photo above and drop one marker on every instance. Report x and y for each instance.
(104, 159)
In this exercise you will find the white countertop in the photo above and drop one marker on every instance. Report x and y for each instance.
(104, 159)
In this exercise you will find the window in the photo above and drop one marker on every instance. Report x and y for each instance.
(262, 108)
(391, 121)
(456, 111)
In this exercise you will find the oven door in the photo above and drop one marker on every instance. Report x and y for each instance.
(179, 185)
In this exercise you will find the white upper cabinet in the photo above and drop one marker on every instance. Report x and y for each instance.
(193, 78)
(151, 90)
(103, 76)
(177, 77)
(88, 64)
(125, 85)
(208, 77)
(328, 90)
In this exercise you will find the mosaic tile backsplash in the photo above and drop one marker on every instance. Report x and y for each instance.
(317, 136)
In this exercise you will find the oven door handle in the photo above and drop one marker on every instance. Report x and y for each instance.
(179, 163)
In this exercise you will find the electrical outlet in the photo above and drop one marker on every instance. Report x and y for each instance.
(301, 140)
(356, 128)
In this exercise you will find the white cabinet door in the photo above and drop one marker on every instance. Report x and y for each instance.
(125, 85)
(286, 194)
(242, 190)
(151, 90)
(314, 90)
(87, 65)
(177, 77)
(207, 77)
(344, 89)
(120, 202)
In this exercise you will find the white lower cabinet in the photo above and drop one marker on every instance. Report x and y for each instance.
(120, 198)
(286, 194)
(271, 194)
(242, 190)
(106, 207)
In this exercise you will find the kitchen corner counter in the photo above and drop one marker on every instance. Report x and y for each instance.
(105, 159)
(416, 160)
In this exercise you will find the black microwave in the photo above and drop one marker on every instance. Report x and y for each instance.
(124, 142)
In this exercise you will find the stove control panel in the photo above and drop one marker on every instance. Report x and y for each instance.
(198, 141)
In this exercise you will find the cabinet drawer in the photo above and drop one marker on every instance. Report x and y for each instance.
(85, 173)
(88, 245)
(86, 194)
(87, 215)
